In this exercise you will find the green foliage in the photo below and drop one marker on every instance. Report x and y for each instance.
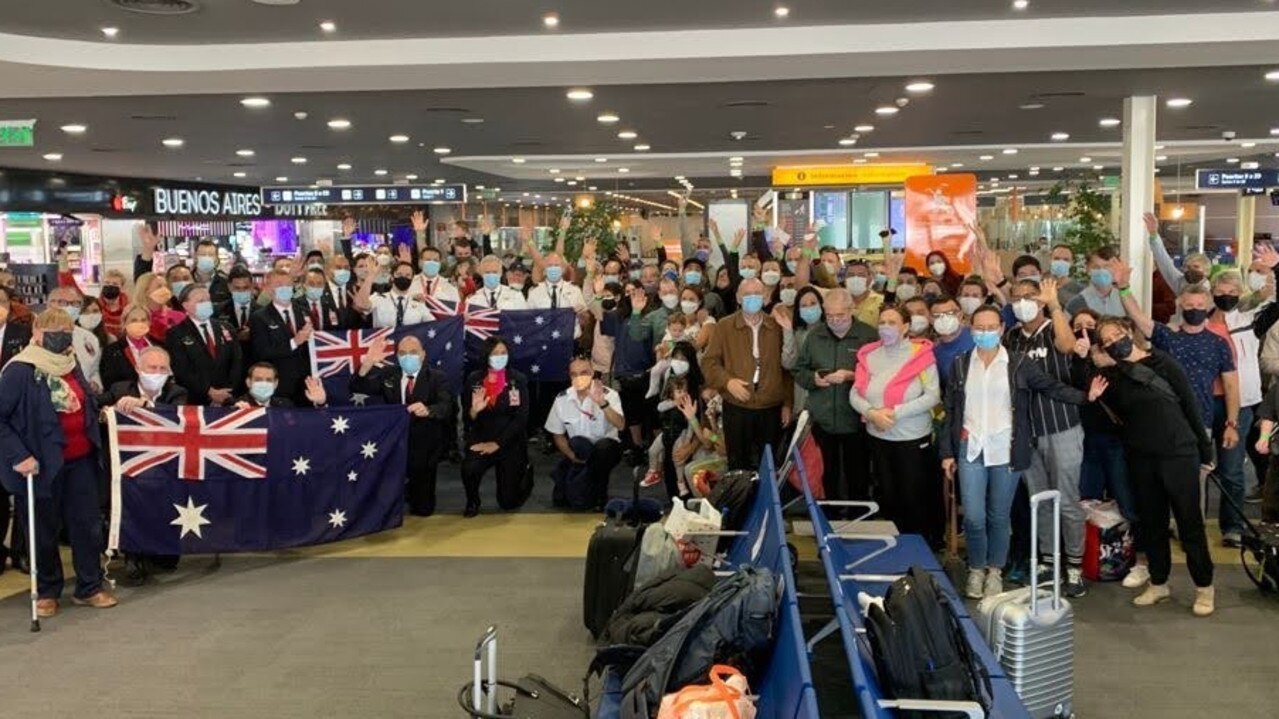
(1086, 211)
(594, 222)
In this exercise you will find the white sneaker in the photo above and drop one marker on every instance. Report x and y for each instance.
(1205, 601)
(994, 583)
(976, 580)
(1137, 577)
(1154, 594)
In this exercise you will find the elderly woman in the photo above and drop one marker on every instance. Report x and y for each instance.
(120, 359)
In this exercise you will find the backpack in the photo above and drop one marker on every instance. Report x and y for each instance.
(572, 486)
(732, 497)
(732, 624)
(920, 649)
(646, 615)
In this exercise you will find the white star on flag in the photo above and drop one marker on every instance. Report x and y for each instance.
(555, 334)
(341, 425)
(352, 476)
(337, 518)
(545, 348)
(448, 346)
(535, 369)
(357, 399)
(540, 320)
(301, 466)
(519, 340)
(368, 450)
(190, 519)
(430, 333)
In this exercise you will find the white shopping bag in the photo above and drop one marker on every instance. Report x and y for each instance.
(683, 525)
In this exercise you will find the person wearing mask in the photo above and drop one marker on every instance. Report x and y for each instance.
(652, 325)
(517, 277)
(631, 360)
(743, 363)
(112, 302)
(903, 286)
(205, 355)
(493, 294)
(829, 271)
(424, 394)
(695, 277)
(1197, 265)
(90, 323)
(148, 243)
(340, 293)
(866, 301)
(950, 326)
(263, 382)
(279, 334)
(430, 283)
(237, 310)
(1060, 266)
(397, 307)
(770, 273)
(895, 389)
(1100, 295)
(584, 424)
(179, 278)
(921, 319)
(554, 293)
(796, 321)
(153, 293)
(88, 349)
(825, 370)
(120, 359)
(939, 269)
(314, 288)
(207, 272)
(49, 429)
(13, 339)
(972, 294)
(496, 431)
(700, 324)
(382, 262)
(1169, 453)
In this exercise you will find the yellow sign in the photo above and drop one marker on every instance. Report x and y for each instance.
(885, 174)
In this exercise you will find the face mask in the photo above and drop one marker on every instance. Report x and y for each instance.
(242, 297)
(1195, 317)
(137, 330)
(313, 294)
(937, 268)
(56, 342)
(582, 382)
(840, 327)
(946, 324)
(1026, 310)
(361, 272)
(881, 279)
(788, 296)
(498, 362)
(203, 311)
(772, 278)
(554, 274)
(1225, 303)
(341, 277)
(702, 255)
(262, 390)
(610, 279)
(382, 279)
(1120, 349)
(410, 363)
(918, 324)
(384, 260)
(1060, 268)
(90, 321)
(930, 295)
(635, 274)
(670, 302)
(831, 268)
(402, 283)
(1194, 277)
(1101, 278)
(752, 304)
(161, 296)
(73, 312)
(111, 292)
(791, 265)
(431, 268)
(517, 286)
(283, 294)
(688, 306)
(889, 335)
(810, 314)
(906, 292)
(205, 264)
(749, 273)
(491, 280)
(609, 304)
(1033, 278)
(152, 383)
(856, 285)
(1256, 281)
(679, 367)
(986, 339)
(178, 286)
(316, 266)
(969, 305)
(693, 278)
(672, 275)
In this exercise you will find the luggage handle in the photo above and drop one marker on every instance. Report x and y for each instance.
(972, 710)
(1035, 500)
(481, 690)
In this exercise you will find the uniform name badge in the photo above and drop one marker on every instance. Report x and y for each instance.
(515, 397)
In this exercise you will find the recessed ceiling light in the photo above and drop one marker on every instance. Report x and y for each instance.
(1273, 76)
(579, 178)
(1232, 160)
(1085, 160)
(859, 161)
(1021, 4)
(1179, 102)
(1014, 176)
(329, 26)
(75, 129)
(956, 164)
(245, 153)
(554, 170)
(239, 174)
(601, 159)
(339, 123)
(255, 102)
(300, 115)
(920, 86)
(986, 158)
(872, 154)
(1098, 168)
(1161, 158)
(559, 179)
(551, 19)
(735, 172)
(1031, 106)
(1159, 147)
(735, 163)
(608, 118)
(847, 141)
(570, 183)
(472, 121)
(442, 150)
(886, 110)
(579, 94)
(1249, 166)
(298, 160)
(781, 11)
(518, 160)
(110, 31)
(281, 178)
(592, 188)
(379, 172)
(1058, 169)
(399, 139)
(864, 128)
(173, 142)
(623, 170)
(642, 148)
(53, 156)
(439, 181)
(680, 178)
(411, 178)
(1109, 122)
(1010, 151)
(344, 166)
(1247, 144)
(627, 135)
(1060, 136)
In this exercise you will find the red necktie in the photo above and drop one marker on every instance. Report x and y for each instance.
(408, 389)
(288, 320)
(208, 341)
(315, 314)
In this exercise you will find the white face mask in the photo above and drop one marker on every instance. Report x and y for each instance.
(937, 268)
(788, 296)
(946, 324)
(89, 321)
(969, 305)
(856, 285)
(689, 306)
(1026, 310)
(670, 301)
(918, 324)
(1256, 281)
(906, 292)
(771, 277)
(679, 367)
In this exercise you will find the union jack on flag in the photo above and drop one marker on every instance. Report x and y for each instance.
(146, 440)
(340, 353)
(441, 308)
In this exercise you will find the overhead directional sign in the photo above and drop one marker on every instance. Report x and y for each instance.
(363, 194)
(1235, 179)
(17, 133)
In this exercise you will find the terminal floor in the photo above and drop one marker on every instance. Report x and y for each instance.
(385, 626)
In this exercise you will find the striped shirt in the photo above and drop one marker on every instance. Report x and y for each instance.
(1047, 416)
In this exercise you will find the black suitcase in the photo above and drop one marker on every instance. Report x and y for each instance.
(609, 573)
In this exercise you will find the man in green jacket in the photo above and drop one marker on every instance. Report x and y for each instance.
(825, 368)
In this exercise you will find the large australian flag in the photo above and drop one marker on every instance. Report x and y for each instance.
(192, 480)
(540, 341)
(335, 356)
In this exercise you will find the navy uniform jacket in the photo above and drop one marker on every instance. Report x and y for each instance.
(506, 422)
(29, 427)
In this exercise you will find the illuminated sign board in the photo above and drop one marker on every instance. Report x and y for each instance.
(363, 194)
(1235, 179)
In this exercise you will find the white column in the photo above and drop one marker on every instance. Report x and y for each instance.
(1245, 226)
(1138, 190)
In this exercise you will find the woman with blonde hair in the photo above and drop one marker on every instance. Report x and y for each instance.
(152, 293)
(120, 359)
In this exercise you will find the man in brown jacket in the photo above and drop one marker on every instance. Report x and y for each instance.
(744, 363)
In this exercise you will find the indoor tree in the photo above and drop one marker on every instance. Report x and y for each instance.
(1086, 210)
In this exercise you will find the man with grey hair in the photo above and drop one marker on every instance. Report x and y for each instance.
(155, 384)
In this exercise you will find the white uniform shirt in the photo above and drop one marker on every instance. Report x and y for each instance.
(502, 298)
(88, 353)
(385, 307)
(439, 288)
(988, 410)
(576, 417)
(566, 295)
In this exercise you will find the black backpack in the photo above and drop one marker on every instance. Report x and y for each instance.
(920, 649)
(732, 496)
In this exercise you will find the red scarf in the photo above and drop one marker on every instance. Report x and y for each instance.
(494, 386)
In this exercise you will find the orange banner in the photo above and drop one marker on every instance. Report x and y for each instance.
(939, 209)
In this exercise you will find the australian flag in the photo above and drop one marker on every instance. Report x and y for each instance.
(540, 341)
(335, 356)
(193, 480)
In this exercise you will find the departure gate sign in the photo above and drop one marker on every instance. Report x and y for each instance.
(1235, 179)
(362, 194)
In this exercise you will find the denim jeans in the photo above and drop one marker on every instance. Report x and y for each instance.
(1230, 463)
(987, 495)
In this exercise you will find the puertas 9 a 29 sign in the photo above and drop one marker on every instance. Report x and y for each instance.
(187, 201)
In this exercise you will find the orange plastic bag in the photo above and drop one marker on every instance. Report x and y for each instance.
(726, 697)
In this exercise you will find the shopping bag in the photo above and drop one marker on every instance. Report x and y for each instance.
(726, 697)
(1108, 548)
(685, 522)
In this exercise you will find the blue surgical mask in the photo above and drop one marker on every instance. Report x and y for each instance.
(986, 339)
(749, 273)
(554, 274)
(610, 279)
(692, 277)
(1060, 268)
(342, 277)
(283, 294)
(313, 294)
(318, 266)
(671, 275)
(177, 287)
(810, 314)
(205, 264)
(72, 312)
(242, 297)
(492, 280)
(498, 362)
(702, 255)
(635, 274)
(791, 265)
(881, 280)
(752, 304)
(411, 364)
(1101, 277)
(261, 390)
(430, 268)
(203, 310)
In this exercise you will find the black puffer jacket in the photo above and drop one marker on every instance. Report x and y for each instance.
(651, 609)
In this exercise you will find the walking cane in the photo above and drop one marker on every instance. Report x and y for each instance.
(31, 548)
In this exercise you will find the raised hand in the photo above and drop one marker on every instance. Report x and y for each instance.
(1083, 346)
(148, 238)
(639, 300)
(1097, 388)
(597, 393)
(1121, 271)
(1265, 254)
(783, 317)
(686, 406)
(404, 255)
(1152, 223)
(315, 391)
(1048, 291)
(376, 355)
(486, 225)
(478, 400)
(738, 236)
(893, 263)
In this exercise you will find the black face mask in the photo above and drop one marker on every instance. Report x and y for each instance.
(1093, 338)
(402, 283)
(1194, 318)
(608, 303)
(110, 292)
(1120, 349)
(1194, 277)
(56, 342)
(1225, 303)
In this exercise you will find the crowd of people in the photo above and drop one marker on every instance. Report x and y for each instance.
(1006, 385)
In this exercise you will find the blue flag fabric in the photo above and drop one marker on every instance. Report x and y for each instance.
(194, 480)
(540, 341)
(337, 355)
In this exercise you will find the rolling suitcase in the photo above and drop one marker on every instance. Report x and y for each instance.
(1032, 632)
(609, 576)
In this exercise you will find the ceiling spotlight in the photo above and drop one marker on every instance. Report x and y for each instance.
(1109, 122)
(53, 156)
(1014, 176)
(75, 129)
(1085, 160)
(411, 178)
(299, 115)
(442, 150)
(579, 178)
(111, 31)
(570, 183)
(601, 159)
(1010, 151)
(608, 118)
(1021, 4)
(1060, 136)
(298, 160)
(1232, 161)
(439, 181)
(1161, 158)
(623, 170)
(641, 148)
(627, 135)
(379, 172)
(551, 19)
(239, 174)
(918, 87)
(986, 158)
(518, 160)
(344, 166)
(956, 164)
(1098, 168)
(559, 179)
(472, 121)
(1249, 166)
(339, 124)
(886, 110)
(1247, 144)
(399, 139)
(1058, 169)
(245, 153)
(1031, 106)
(592, 188)
(1179, 102)
(579, 95)
(255, 102)
(282, 178)
(329, 26)
(554, 170)
(847, 141)
(173, 142)
(872, 154)
(864, 128)
(781, 11)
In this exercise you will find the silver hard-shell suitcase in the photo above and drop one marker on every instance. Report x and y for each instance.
(1032, 631)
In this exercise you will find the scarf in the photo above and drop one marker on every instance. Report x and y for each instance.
(50, 369)
(494, 386)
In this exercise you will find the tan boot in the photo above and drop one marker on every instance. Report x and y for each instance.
(46, 608)
(1154, 594)
(1205, 601)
